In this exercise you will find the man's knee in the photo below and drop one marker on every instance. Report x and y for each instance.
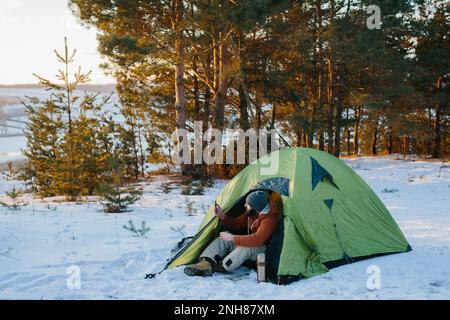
(239, 255)
(216, 250)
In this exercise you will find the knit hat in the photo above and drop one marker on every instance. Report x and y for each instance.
(257, 200)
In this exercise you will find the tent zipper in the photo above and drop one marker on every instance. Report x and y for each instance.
(346, 256)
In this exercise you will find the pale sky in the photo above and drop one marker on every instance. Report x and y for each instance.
(31, 29)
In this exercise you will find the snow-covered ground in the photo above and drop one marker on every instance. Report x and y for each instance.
(11, 148)
(42, 240)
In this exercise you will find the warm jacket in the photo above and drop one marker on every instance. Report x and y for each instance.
(259, 228)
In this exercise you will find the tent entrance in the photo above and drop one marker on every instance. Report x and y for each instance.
(207, 234)
(278, 184)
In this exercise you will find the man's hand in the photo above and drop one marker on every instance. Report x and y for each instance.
(219, 212)
(226, 236)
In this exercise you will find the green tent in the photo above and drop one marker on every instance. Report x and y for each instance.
(330, 216)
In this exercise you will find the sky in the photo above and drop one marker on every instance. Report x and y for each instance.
(29, 32)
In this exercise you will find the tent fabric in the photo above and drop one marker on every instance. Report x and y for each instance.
(318, 173)
(329, 214)
(280, 185)
(328, 202)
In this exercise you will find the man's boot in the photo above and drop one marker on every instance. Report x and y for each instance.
(219, 268)
(204, 268)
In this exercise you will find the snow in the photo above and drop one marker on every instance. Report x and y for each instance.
(11, 148)
(42, 240)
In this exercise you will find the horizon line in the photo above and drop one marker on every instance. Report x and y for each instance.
(38, 84)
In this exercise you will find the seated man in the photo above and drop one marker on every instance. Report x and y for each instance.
(228, 251)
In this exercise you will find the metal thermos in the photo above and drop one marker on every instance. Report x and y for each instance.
(261, 267)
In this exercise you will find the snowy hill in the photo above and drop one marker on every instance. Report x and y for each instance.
(42, 240)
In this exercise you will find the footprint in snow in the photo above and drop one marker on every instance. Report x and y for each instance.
(438, 283)
(17, 279)
(43, 281)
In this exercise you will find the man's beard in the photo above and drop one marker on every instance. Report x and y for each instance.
(251, 213)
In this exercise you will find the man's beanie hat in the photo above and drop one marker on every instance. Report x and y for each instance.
(257, 200)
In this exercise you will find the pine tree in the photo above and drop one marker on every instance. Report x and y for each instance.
(117, 196)
(433, 71)
(67, 135)
(312, 70)
(159, 39)
(43, 139)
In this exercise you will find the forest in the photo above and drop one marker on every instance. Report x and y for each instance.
(348, 77)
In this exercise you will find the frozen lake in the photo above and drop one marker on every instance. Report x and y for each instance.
(12, 141)
(10, 106)
(10, 148)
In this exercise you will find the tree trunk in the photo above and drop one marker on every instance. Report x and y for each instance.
(135, 149)
(305, 138)
(320, 82)
(197, 107)
(430, 123)
(273, 117)
(356, 130)
(331, 88)
(208, 95)
(243, 110)
(390, 145)
(437, 133)
(375, 138)
(348, 132)
(337, 132)
(141, 150)
(330, 107)
(299, 137)
(219, 103)
(206, 108)
(437, 125)
(198, 170)
(180, 97)
(220, 80)
(257, 124)
(272, 127)
(404, 146)
(244, 122)
(339, 109)
(311, 127)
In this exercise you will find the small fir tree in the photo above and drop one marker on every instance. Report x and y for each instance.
(67, 135)
(117, 196)
(14, 195)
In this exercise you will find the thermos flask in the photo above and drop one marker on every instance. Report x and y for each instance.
(261, 267)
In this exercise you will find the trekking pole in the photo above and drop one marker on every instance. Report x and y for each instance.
(157, 271)
(164, 265)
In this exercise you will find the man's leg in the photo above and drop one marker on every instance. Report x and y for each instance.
(209, 258)
(239, 255)
(217, 250)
